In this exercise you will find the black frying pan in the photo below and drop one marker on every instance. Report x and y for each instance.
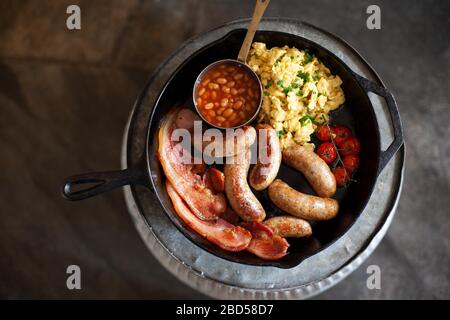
(357, 113)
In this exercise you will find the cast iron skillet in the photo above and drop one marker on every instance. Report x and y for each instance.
(357, 113)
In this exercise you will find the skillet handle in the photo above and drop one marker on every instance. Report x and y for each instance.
(104, 181)
(398, 141)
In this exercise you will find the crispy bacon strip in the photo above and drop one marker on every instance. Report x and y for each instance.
(203, 202)
(215, 179)
(220, 232)
(264, 243)
(230, 216)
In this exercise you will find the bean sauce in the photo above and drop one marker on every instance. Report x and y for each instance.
(227, 96)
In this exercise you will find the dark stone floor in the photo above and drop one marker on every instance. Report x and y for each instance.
(64, 101)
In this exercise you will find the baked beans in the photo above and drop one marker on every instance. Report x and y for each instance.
(227, 95)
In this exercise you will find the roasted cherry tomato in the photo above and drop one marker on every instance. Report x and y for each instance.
(350, 146)
(341, 134)
(323, 133)
(342, 176)
(351, 162)
(327, 152)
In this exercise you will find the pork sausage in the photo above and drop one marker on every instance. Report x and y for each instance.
(302, 205)
(237, 190)
(266, 169)
(227, 145)
(289, 227)
(316, 170)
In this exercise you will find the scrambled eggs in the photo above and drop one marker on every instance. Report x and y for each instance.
(299, 91)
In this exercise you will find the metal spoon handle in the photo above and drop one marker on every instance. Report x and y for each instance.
(258, 12)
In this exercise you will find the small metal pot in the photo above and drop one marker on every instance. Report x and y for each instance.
(239, 64)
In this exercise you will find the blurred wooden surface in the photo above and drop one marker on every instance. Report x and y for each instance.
(65, 97)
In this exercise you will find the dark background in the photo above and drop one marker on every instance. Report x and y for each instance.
(65, 97)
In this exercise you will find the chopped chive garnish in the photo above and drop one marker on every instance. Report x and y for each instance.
(278, 60)
(281, 133)
(286, 90)
(308, 57)
(304, 76)
(306, 118)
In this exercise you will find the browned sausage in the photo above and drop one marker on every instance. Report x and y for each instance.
(316, 170)
(229, 144)
(289, 227)
(302, 205)
(238, 192)
(265, 171)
